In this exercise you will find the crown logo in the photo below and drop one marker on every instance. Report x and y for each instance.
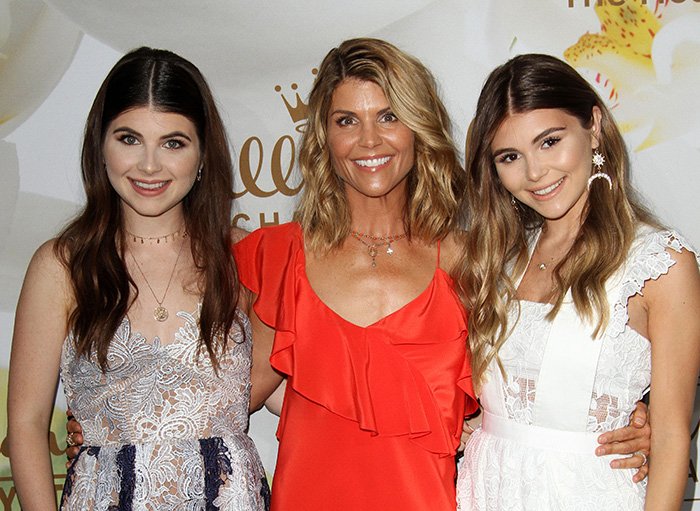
(298, 109)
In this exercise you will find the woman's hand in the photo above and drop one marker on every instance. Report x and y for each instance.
(468, 426)
(74, 439)
(634, 440)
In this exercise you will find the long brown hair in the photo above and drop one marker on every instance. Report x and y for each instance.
(435, 184)
(499, 231)
(90, 246)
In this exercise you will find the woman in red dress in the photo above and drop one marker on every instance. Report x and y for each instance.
(354, 302)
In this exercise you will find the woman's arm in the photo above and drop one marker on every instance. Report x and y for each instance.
(40, 328)
(672, 302)
(263, 377)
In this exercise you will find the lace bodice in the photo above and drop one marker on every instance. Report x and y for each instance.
(153, 392)
(624, 366)
(162, 430)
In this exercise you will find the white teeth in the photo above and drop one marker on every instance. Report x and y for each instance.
(150, 186)
(373, 162)
(545, 191)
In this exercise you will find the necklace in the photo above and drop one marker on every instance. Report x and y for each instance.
(376, 242)
(160, 313)
(157, 239)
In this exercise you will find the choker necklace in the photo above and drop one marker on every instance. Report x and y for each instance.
(160, 313)
(376, 242)
(157, 239)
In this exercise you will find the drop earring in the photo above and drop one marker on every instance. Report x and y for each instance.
(598, 161)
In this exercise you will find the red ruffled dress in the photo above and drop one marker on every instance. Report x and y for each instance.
(372, 416)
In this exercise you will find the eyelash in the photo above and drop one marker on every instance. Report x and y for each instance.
(128, 139)
(511, 157)
(507, 158)
(349, 121)
(132, 140)
(551, 141)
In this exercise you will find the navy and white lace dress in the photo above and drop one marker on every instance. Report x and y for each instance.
(162, 431)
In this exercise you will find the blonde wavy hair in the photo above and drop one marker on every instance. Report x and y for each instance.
(499, 231)
(436, 184)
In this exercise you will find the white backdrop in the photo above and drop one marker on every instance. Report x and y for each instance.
(55, 53)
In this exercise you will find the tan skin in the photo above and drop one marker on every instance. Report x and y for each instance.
(362, 132)
(541, 151)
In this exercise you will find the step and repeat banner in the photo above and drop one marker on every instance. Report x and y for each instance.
(261, 57)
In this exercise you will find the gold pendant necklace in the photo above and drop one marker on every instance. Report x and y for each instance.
(160, 313)
(377, 241)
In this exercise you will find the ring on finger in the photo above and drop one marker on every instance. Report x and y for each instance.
(69, 440)
(645, 460)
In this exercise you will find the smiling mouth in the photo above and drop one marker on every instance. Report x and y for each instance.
(149, 186)
(549, 189)
(373, 162)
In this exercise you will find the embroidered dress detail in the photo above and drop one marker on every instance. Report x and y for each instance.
(162, 430)
(535, 449)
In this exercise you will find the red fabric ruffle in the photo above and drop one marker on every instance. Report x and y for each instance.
(400, 376)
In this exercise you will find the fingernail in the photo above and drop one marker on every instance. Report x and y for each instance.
(639, 422)
(602, 439)
(614, 464)
(600, 451)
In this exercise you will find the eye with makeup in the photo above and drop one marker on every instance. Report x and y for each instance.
(344, 120)
(128, 139)
(505, 158)
(388, 117)
(174, 143)
(550, 142)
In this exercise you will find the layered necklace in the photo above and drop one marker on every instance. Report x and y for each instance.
(374, 243)
(160, 313)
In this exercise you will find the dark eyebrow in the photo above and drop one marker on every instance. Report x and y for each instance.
(535, 140)
(349, 112)
(546, 132)
(343, 112)
(164, 137)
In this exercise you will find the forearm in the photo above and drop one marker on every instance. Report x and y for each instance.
(31, 467)
(668, 471)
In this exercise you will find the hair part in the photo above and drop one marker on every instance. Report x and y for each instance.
(435, 184)
(92, 245)
(499, 232)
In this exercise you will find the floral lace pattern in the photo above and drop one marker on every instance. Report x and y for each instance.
(501, 474)
(179, 420)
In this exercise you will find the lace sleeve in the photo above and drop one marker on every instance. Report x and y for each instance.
(649, 259)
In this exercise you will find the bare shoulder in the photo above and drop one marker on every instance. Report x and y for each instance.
(237, 234)
(680, 283)
(451, 250)
(48, 277)
(47, 263)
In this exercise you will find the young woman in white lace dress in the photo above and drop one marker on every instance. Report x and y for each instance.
(580, 302)
(135, 303)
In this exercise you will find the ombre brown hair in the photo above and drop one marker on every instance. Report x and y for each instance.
(499, 231)
(437, 181)
(92, 245)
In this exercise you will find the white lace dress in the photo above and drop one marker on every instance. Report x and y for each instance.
(162, 431)
(535, 449)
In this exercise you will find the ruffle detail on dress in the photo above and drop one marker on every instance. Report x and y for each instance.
(377, 376)
(648, 259)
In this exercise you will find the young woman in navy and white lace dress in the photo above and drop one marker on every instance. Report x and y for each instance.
(135, 303)
(580, 302)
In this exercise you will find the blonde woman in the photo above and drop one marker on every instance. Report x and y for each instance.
(579, 301)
